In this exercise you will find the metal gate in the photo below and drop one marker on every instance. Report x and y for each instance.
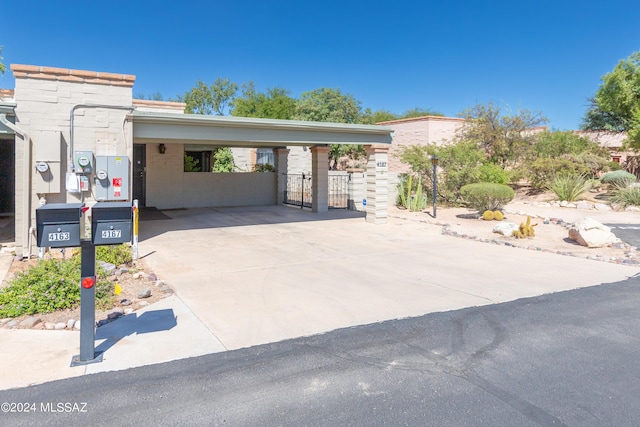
(299, 191)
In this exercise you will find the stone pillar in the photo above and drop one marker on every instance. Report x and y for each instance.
(280, 158)
(320, 178)
(377, 190)
(357, 189)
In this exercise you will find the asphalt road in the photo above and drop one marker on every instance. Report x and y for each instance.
(569, 358)
(628, 233)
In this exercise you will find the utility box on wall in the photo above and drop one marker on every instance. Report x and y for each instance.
(48, 152)
(112, 178)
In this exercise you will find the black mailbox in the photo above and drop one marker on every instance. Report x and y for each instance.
(58, 225)
(111, 223)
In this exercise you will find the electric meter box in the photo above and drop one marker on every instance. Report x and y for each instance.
(111, 223)
(112, 178)
(58, 225)
(83, 161)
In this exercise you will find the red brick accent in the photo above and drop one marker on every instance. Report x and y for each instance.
(7, 93)
(65, 74)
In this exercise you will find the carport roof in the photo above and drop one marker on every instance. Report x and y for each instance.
(255, 132)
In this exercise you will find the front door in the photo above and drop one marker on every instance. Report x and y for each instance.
(139, 173)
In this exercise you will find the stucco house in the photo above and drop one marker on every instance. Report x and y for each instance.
(69, 136)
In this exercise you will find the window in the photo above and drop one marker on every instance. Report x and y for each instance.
(264, 156)
(197, 161)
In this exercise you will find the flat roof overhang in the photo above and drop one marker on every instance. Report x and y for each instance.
(250, 132)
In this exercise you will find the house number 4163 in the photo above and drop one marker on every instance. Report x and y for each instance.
(381, 164)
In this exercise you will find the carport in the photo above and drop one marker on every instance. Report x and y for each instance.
(159, 178)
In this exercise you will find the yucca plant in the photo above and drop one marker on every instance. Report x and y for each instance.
(407, 198)
(626, 195)
(568, 187)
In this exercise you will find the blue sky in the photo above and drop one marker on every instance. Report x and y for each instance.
(443, 55)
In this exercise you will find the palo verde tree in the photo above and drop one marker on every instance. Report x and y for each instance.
(616, 105)
(331, 105)
(275, 103)
(505, 138)
(215, 99)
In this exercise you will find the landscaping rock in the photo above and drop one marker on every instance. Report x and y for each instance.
(602, 207)
(590, 233)
(30, 322)
(125, 302)
(60, 326)
(114, 315)
(145, 293)
(152, 277)
(12, 323)
(49, 325)
(70, 323)
(505, 228)
(77, 325)
(584, 205)
(108, 267)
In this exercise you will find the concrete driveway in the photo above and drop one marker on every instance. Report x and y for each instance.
(263, 274)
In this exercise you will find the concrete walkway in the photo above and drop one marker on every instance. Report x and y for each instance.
(248, 276)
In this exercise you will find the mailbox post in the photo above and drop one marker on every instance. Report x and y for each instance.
(59, 226)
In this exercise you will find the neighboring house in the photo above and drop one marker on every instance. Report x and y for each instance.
(613, 141)
(424, 130)
(79, 136)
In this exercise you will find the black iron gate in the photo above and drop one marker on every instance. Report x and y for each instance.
(299, 190)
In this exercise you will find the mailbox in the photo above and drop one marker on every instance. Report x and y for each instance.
(111, 223)
(58, 225)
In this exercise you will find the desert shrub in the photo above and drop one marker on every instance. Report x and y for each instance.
(486, 196)
(458, 164)
(525, 229)
(568, 187)
(264, 167)
(556, 144)
(618, 178)
(626, 195)
(116, 255)
(543, 170)
(490, 172)
(48, 286)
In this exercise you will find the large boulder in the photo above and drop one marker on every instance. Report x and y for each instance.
(592, 234)
(505, 228)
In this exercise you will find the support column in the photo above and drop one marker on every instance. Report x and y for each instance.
(377, 185)
(281, 159)
(320, 179)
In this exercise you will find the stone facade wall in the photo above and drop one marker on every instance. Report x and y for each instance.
(45, 97)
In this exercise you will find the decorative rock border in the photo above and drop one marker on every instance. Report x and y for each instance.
(632, 256)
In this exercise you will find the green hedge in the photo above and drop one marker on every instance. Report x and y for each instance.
(486, 196)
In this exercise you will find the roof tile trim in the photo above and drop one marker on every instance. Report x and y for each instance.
(65, 74)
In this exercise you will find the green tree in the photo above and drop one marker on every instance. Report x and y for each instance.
(274, 104)
(157, 96)
(505, 138)
(616, 104)
(223, 160)
(328, 105)
(459, 164)
(2, 66)
(214, 99)
(331, 105)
